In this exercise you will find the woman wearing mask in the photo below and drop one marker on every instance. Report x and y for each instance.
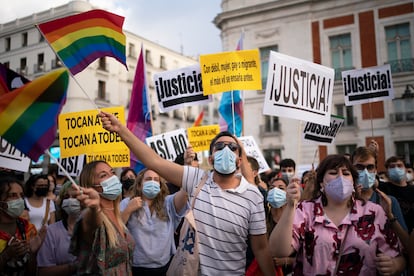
(100, 240)
(53, 257)
(152, 216)
(18, 240)
(127, 176)
(41, 209)
(336, 232)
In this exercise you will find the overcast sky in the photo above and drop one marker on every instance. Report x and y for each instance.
(171, 23)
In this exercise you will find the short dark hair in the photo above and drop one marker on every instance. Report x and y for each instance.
(285, 163)
(394, 159)
(222, 134)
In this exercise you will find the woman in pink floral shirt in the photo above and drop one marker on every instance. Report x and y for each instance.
(335, 233)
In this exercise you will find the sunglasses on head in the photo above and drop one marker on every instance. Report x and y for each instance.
(361, 167)
(232, 146)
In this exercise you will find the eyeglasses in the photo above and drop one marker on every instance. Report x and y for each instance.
(361, 167)
(232, 146)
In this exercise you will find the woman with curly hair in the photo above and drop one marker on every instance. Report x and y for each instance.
(152, 215)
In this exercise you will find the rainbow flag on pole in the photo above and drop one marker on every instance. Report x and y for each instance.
(139, 115)
(28, 115)
(80, 39)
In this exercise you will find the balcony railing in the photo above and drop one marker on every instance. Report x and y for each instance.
(266, 131)
(401, 65)
(338, 72)
(402, 117)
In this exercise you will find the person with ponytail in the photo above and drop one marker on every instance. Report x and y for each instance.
(100, 240)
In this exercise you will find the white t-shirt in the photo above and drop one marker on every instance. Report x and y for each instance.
(36, 214)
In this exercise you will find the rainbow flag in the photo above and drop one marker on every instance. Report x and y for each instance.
(10, 80)
(231, 106)
(28, 115)
(199, 119)
(139, 115)
(80, 39)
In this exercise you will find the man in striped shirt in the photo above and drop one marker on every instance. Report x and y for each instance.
(227, 209)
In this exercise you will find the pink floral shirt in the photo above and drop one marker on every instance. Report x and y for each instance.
(317, 239)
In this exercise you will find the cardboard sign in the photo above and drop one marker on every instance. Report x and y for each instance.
(298, 89)
(12, 158)
(82, 133)
(179, 88)
(170, 144)
(200, 137)
(251, 149)
(323, 134)
(227, 71)
(72, 165)
(367, 85)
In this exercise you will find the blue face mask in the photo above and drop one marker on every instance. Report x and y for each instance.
(151, 189)
(366, 179)
(111, 188)
(396, 174)
(225, 161)
(276, 197)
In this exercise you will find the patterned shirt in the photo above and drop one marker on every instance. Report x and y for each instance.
(318, 240)
(224, 219)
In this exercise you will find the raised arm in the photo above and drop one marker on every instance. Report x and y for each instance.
(280, 241)
(171, 171)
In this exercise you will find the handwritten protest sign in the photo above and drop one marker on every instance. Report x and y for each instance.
(323, 134)
(170, 144)
(366, 85)
(253, 150)
(12, 158)
(181, 87)
(200, 137)
(298, 89)
(238, 70)
(73, 165)
(82, 133)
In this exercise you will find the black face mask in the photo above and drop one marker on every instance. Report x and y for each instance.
(41, 191)
(127, 183)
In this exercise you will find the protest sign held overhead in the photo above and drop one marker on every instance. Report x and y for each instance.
(251, 149)
(170, 144)
(367, 85)
(178, 88)
(238, 70)
(82, 133)
(321, 133)
(200, 137)
(12, 158)
(298, 89)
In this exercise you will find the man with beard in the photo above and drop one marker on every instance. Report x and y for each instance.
(227, 209)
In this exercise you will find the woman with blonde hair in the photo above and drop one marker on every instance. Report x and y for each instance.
(152, 215)
(100, 239)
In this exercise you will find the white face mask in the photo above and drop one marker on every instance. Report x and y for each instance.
(409, 177)
(71, 206)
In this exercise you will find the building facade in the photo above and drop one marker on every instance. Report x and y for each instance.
(105, 82)
(342, 35)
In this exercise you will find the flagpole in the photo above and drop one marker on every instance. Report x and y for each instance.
(232, 113)
(63, 169)
(73, 77)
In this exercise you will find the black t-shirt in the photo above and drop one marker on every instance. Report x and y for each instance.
(405, 196)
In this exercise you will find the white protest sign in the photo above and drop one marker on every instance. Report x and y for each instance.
(181, 87)
(298, 89)
(73, 165)
(170, 144)
(251, 149)
(12, 158)
(323, 134)
(367, 85)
